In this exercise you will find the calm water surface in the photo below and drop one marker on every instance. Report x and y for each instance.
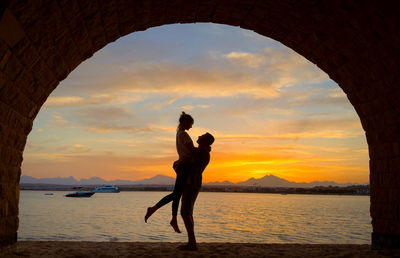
(219, 217)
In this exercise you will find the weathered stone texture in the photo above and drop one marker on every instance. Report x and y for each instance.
(357, 45)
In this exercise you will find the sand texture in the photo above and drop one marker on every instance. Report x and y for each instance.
(142, 249)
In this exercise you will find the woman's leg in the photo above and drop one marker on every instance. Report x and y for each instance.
(177, 194)
(150, 210)
(166, 199)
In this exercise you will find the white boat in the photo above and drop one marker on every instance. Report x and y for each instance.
(106, 189)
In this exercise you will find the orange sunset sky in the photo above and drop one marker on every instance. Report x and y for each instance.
(270, 110)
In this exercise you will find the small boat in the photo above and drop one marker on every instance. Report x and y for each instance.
(48, 194)
(80, 194)
(106, 189)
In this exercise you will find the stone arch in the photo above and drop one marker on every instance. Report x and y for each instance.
(357, 45)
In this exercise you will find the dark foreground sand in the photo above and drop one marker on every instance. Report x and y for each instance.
(140, 249)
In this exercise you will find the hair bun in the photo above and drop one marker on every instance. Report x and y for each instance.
(183, 113)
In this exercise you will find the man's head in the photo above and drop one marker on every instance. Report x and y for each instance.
(205, 140)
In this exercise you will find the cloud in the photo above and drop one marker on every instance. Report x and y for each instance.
(261, 75)
(163, 104)
(203, 106)
(80, 148)
(187, 107)
(328, 134)
(58, 122)
(104, 113)
(98, 99)
(247, 59)
(109, 119)
(118, 128)
(298, 129)
(320, 125)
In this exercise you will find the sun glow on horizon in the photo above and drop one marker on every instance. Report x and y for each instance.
(271, 111)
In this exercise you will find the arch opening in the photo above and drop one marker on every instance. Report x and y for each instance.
(288, 121)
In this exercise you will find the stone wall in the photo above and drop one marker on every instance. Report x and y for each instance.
(357, 45)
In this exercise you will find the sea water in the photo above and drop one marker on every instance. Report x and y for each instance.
(218, 217)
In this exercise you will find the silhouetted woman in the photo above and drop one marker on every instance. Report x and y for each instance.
(185, 148)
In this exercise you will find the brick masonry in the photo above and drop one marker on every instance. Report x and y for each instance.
(357, 45)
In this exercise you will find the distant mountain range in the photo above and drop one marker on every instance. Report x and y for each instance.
(274, 181)
(156, 180)
(266, 181)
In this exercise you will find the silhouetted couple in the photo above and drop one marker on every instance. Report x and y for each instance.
(189, 169)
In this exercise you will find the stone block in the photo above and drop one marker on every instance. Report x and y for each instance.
(126, 10)
(109, 15)
(384, 240)
(25, 82)
(23, 10)
(9, 175)
(16, 157)
(81, 38)
(188, 12)
(2, 224)
(43, 76)
(4, 59)
(4, 113)
(60, 69)
(70, 9)
(396, 150)
(21, 141)
(67, 48)
(3, 174)
(205, 11)
(29, 57)
(3, 80)
(35, 30)
(375, 210)
(88, 8)
(394, 166)
(11, 30)
(8, 94)
(10, 194)
(13, 208)
(10, 157)
(111, 31)
(388, 211)
(172, 11)
(11, 225)
(3, 133)
(3, 206)
(381, 225)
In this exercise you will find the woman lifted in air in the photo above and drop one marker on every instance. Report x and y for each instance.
(182, 167)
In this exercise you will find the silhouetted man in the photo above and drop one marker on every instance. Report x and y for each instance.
(192, 188)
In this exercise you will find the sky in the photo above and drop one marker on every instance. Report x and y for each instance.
(270, 109)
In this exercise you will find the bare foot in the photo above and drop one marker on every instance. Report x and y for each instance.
(150, 211)
(174, 224)
(187, 247)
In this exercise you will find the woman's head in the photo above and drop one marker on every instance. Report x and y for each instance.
(185, 121)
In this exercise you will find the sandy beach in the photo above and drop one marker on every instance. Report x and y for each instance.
(143, 249)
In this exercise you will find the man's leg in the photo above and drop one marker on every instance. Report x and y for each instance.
(188, 199)
(189, 225)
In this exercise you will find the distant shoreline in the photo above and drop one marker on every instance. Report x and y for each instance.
(362, 190)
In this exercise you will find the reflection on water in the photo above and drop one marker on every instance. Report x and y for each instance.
(219, 217)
